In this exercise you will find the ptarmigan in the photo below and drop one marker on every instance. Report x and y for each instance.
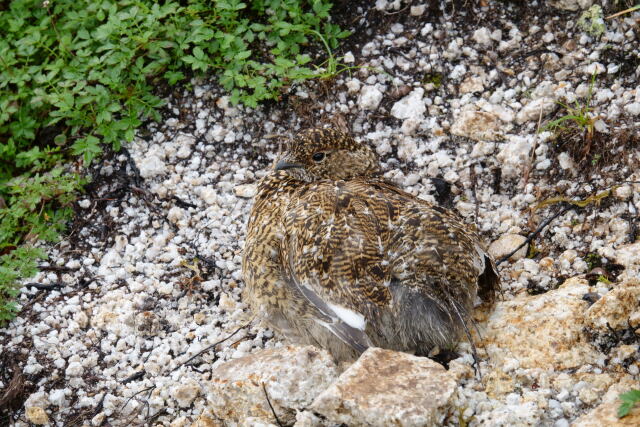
(339, 258)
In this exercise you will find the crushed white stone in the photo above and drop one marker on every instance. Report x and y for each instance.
(156, 277)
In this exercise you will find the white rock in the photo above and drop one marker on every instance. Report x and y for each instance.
(478, 125)
(482, 149)
(209, 195)
(543, 164)
(417, 10)
(506, 244)
(565, 160)
(217, 133)
(370, 98)
(531, 266)
(410, 125)
(606, 413)
(615, 308)
(536, 109)
(39, 398)
(151, 166)
(348, 58)
(458, 71)
(369, 49)
(382, 4)
(246, 191)
(623, 192)
(33, 368)
(257, 422)
(36, 415)
(175, 214)
(98, 419)
(384, 388)
(513, 155)
(466, 209)
(74, 369)
(516, 328)
(482, 36)
(73, 264)
(308, 419)
(505, 114)
(57, 397)
(199, 91)
(472, 84)
(411, 106)
(544, 89)
(109, 261)
(184, 142)
(353, 86)
(601, 126)
(594, 68)
(427, 29)
(571, 5)
(147, 322)
(383, 146)
(633, 108)
(292, 377)
(628, 255)
(397, 28)
(165, 288)
(185, 394)
(81, 319)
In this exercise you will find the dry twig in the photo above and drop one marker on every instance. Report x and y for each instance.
(273, 411)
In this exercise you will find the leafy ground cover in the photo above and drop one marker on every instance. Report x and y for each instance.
(78, 75)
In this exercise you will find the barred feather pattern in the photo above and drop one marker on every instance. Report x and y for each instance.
(337, 257)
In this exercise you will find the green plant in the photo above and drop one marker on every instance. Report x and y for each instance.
(593, 260)
(579, 116)
(592, 21)
(533, 251)
(629, 399)
(258, 58)
(20, 262)
(75, 75)
(435, 79)
(39, 206)
(331, 66)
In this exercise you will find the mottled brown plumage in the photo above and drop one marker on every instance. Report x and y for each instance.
(336, 257)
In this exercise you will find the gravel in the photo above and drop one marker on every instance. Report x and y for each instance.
(150, 276)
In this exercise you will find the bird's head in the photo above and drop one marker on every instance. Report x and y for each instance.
(316, 154)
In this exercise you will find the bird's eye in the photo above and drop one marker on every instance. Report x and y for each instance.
(318, 157)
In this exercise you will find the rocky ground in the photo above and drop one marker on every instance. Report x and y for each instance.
(137, 319)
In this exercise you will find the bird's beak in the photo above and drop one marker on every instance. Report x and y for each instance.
(284, 165)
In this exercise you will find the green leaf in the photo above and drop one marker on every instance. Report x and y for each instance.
(103, 31)
(103, 116)
(129, 134)
(173, 77)
(242, 55)
(88, 147)
(629, 399)
(198, 53)
(60, 139)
